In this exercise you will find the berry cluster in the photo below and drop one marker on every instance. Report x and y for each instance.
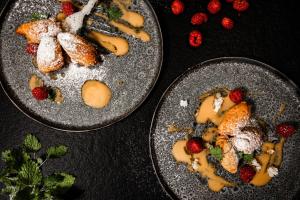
(213, 7)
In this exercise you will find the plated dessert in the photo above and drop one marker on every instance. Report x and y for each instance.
(67, 39)
(122, 37)
(228, 129)
(235, 138)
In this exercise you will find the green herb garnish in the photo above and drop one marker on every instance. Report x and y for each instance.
(216, 152)
(23, 178)
(247, 157)
(113, 12)
(38, 16)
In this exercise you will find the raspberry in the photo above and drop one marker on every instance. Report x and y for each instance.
(247, 173)
(240, 5)
(177, 7)
(31, 48)
(67, 8)
(236, 95)
(285, 129)
(199, 18)
(40, 93)
(214, 6)
(195, 38)
(194, 145)
(227, 23)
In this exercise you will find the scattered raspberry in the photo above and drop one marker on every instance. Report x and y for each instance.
(67, 8)
(240, 5)
(214, 6)
(40, 93)
(31, 48)
(177, 7)
(227, 23)
(285, 130)
(194, 145)
(195, 38)
(199, 18)
(236, 95)
(247, 173)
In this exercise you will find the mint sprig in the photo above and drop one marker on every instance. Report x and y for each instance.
(23, 178)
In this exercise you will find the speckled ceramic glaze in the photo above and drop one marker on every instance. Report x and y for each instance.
(268, 89)
(130, 77)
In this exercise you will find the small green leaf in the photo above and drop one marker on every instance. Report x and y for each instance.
(30, 174)
(216, 152)
(7, 156)
(9, 190)
(58, 151)
(114, 13)
(248, 157)
(59, 182)
(38, 16)
(32, 143)
(39, 161)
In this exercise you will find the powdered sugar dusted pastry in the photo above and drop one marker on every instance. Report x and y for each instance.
(79, 50)
(49, 55)
(234, 119)
(35, 30)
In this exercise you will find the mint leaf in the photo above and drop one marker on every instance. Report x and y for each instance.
(32, 143)
(247, 157)
(30, 174)
(22, 178)
(7, 156)
(59, 182)
(58, 151)
(38, 16)
(114, 13)
(216, 152)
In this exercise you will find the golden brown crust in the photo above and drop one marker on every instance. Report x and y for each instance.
(78, 49)
(34, 30)
(230, 160)
(234, 119)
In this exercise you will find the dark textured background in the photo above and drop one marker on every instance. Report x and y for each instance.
(114, 163)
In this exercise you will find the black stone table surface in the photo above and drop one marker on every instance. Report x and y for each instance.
(114, 162)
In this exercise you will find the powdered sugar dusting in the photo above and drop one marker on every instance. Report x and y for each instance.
(46, 51)
(53, 29)
(66, 40)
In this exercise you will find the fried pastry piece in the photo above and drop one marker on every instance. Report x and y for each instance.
(230, 159)
(49, 55)
(35, 30)
(78, 49)
(234, 119)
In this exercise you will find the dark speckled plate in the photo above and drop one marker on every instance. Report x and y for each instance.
(130, 77)
(269, 88)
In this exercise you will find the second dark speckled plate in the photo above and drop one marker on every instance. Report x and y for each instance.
(267, 87)
(130, 77)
